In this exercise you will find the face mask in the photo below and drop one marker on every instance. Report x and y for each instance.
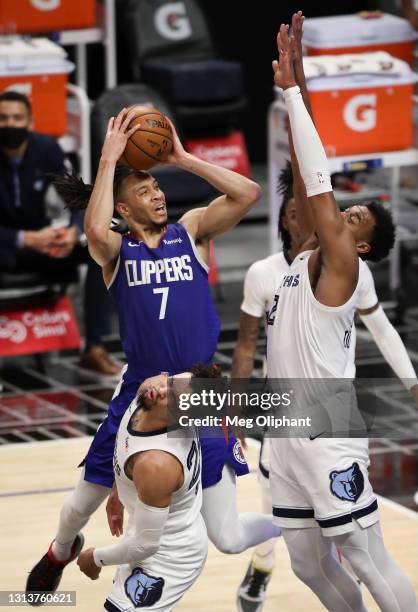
(13, 137)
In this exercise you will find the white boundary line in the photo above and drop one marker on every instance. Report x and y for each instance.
(389, 503)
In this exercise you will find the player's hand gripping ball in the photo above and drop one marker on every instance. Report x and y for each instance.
(152, 143)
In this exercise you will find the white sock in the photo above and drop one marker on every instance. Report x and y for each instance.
(263, 557)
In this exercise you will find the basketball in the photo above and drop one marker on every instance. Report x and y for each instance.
(152, 143)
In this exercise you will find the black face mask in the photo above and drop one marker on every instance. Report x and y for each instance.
(13, 137)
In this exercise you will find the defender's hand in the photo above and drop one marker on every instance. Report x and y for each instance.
(284, 75)
(297, 32)
(87, 565)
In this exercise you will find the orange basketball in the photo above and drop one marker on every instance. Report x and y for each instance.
(152, 143)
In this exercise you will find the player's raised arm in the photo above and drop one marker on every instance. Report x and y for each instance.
(304, 214)
(104, 245)
(223, 213)
(338, 249)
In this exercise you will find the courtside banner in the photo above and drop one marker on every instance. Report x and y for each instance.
(227, 151)
(295, 407)
(36, 330)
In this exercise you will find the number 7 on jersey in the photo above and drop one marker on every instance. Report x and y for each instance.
(164, 298)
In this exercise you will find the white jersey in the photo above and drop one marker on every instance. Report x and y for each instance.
(261, 282)
(184, 445)
(315, 480)
(264, 277)
(316, 340)
(166, 575)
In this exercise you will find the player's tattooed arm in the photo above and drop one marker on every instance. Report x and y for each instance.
(245, 348)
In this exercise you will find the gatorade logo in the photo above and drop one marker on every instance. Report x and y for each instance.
(171, 21)
(360, 112)
(46, 5)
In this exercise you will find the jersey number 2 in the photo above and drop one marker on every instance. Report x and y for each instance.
(164, 292)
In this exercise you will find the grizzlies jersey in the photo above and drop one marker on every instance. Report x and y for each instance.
(306, 339)
(167, 318)
(160, 580)
(184, 445)
(264, 276)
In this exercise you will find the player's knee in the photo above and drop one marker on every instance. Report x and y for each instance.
(227, 542)
(306, 570)
(75, 509)
(361, 563)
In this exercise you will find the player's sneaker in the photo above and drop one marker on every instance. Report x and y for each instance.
(46, 575)
(252, 590)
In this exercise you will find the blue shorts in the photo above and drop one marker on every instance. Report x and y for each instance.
(98, 463)
(216, 452)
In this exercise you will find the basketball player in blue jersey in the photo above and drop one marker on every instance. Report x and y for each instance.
(157, 275)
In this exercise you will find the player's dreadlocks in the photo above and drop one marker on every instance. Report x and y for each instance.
(76, 193)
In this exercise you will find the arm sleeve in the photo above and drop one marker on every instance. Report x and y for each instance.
(368, 296)
(254, 302)
(148, 526)
(310, 153)
(391, 346)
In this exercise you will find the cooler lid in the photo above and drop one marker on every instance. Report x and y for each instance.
(375, 66)
(356, 30)
(379, 69)
(31, 56)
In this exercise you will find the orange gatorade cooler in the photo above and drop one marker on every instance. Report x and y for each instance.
(366, 31)
(362, 103)
(31, 16)
(39, 69)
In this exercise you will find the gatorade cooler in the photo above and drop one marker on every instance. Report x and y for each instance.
(366, 31)
(361, 103)
(31, 16)
(39, 69)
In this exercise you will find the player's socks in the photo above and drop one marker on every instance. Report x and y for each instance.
(252, 590)
(46, 574)
(264, 562)
(61, 552)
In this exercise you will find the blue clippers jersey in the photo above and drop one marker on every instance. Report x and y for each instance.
(167, 318)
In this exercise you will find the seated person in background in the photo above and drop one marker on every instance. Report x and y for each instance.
(28, 241)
